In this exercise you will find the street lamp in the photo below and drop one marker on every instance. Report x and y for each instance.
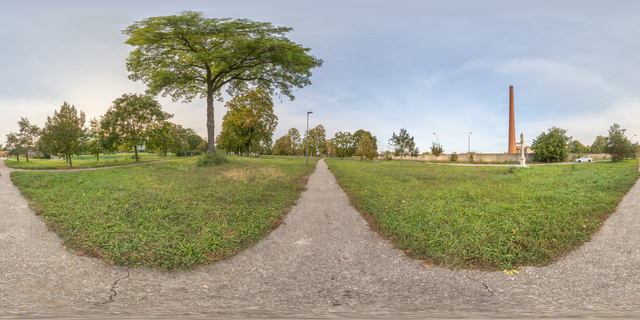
(437, 142)
(307, 140)
(469, 152)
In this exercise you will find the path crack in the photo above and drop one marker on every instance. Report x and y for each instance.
(114, 293)
(484, 284)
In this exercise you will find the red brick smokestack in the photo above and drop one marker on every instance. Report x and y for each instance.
(512, 123)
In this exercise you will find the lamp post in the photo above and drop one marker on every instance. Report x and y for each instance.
(469, 150)
(307, 141)
(437, 142)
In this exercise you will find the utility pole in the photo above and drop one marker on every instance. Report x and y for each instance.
(307, 140)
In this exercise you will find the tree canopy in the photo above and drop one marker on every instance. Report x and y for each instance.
(316, 141)
(188, 56)
(65, 133)
(618, 146)
(599, 145)
(551, 146)
(403, 144)
(250, 119)
(130, 120)
(367, 146)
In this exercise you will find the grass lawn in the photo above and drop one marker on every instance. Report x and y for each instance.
(167, 215)
(485, 217)
(83, 161)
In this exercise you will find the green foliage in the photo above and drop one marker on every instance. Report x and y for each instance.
(189, 56)
(618, 146)
(24, 141)
(552, 146)
(289, 144)
(316, 140)
(342, 144)
(184, 141)
(403, 144)
(131, 120)
(167, 215)
(599, 145)
(367, 146)
(454, 157)
(160, 137)
(576, 147)
(250, 120)
(213, 159)
(65, 133)
(436, 150)
(485, 217)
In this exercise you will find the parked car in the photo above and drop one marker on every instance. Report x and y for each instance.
(583, 159)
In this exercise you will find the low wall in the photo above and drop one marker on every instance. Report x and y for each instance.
(492, 157)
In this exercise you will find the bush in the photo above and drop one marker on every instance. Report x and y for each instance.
(212, 159)
(454, 157)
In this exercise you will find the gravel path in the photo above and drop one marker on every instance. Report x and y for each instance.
(324, 261)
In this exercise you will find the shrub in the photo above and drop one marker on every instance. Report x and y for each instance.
(454, 157)
(212, 159)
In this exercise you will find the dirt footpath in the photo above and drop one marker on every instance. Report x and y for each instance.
(324, 261)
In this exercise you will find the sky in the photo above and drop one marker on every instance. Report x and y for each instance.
(441, 67)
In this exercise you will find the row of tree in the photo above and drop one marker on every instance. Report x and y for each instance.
(555, 145)
(132, 121)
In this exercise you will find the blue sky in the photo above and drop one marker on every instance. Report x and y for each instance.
(427, 66)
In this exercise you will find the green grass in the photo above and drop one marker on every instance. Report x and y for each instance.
(167, 215)
(83, 161)
(485, 217)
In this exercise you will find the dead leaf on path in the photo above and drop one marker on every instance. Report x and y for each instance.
(427, 265)
(206, 286)
(254, 269)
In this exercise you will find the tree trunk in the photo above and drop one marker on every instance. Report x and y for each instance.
(211, 132)
(401, 161)
(27, 155)
(70, 164)
(18, 157)
(247, 146)
(98, 157)
(135, 149)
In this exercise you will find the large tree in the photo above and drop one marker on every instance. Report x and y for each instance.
(551, 146)
(15, 145)
(403, 144)
(599, 145)
(618, 146)
(250, 118)
(65, 133)
(316, 141)
(294, 139)
(342, 144)
(188, 56)
(130, 120)
(367, 146)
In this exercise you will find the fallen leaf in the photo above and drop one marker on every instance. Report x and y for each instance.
(427, 265)
(206, 286)
(253, 269)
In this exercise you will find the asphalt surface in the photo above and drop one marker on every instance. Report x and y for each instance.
(323, 262)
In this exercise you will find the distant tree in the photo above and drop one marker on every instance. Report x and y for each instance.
(65, 133)
(97, 143)
(341, 144)
(250, 118)
(160, 137)
(295, 140)
(403, 144)
(15, 145)
(282, 145)
(367, 146)
(317, 141)
(24, 141)
(130, 120)
(436, 149)
(188, 56)
(599, 145)
(576, 147)
(618, 146)
(551, 146)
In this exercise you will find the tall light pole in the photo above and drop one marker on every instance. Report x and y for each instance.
(307, 140)
(437, 142)
(469, 152)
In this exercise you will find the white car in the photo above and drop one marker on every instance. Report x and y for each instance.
(583, 159)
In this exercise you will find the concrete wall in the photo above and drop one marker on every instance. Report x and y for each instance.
(491, 157)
